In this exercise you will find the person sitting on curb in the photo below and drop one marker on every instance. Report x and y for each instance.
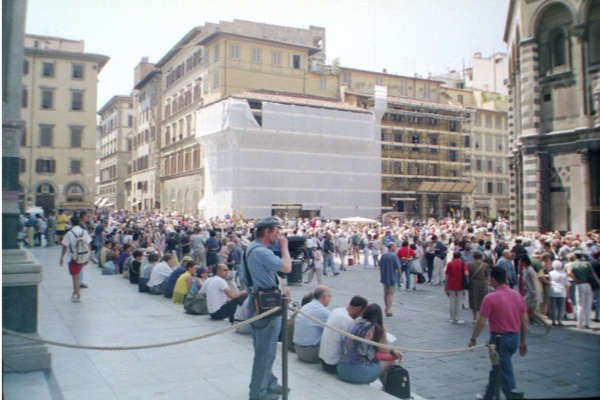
(361, 362)
(307, 334)
(160, 275)
(170, 285)
(136, 265)
(109, 267)
(221, 299)
(291, 322)
(184, 282)
(330, 349)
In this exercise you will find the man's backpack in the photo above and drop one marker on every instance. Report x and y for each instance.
(80, 253)
(397, 382)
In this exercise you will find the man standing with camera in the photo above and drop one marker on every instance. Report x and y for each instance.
(262, 266)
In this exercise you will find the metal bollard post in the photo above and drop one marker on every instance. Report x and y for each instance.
(284, 347)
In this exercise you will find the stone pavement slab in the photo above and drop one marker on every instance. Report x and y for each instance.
(563, 364)
(112, 312)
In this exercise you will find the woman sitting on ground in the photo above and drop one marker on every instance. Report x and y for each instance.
(360, 362)
(184, 282)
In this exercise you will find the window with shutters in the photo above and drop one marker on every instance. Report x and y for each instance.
(77, 71)
(76, 100)
(296, 61)
(234, 51)
(24, 98)
(255, 56)
(276, 58)
(43, 166)
(47, 99)
(75, 167)
(46, 135)
(25, 67)
(22, 165)
(76, 136)
(48, 70)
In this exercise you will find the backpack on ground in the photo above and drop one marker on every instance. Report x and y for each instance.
(195, 304)
(80, 253)
(397, 382)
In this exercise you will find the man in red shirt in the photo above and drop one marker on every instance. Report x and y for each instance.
(507, 315)
(454, 285)
(405, 254)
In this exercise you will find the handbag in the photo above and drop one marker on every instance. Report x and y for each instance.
(569, 306)
(264, 299)
(465, 279)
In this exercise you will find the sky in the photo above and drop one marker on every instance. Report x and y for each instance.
(403, 36)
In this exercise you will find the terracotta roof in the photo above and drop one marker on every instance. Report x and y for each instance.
(290, 98)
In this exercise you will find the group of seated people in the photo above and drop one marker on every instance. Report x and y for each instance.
(163, 275)
(353, 361)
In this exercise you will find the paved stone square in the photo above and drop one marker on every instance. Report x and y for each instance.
(563, 364)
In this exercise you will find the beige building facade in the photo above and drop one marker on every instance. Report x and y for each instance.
(554, 89)
(425, 170)
(58, 146)
(213, 62)
(116, 123)
(143, 184)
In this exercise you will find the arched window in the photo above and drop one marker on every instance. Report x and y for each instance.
(74, 192)
(45, 188)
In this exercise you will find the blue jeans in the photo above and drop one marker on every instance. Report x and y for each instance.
(506, 346)
(359, 373)
(265, 333)
(328, 263)
(405, 269)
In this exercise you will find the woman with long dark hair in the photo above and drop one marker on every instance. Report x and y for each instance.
(360, 362)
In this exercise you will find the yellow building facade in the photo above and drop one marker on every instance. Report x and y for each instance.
(58, 147)
(215, 61)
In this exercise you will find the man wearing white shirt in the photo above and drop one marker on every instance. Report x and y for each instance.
(330, 349)
(221, 300)
(160, 275)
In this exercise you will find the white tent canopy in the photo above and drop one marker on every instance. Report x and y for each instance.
(358, 220)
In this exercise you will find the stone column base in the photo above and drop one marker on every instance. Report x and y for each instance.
(21, 274)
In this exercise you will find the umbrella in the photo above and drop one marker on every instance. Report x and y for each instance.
(358, 220)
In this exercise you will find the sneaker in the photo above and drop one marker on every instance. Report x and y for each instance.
(460, 322)
(451, 320)
(478, 396)
(83, 286)
(75, 299)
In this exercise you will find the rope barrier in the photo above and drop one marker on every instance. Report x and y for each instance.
(146, 346)
(387, 346)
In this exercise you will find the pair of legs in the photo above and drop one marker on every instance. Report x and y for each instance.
(557, 309)
(311, 273)
(265, 333)
(75, 270)
(388, 298)
(502, 375)
(583, 292)
(455, 297)
(227, 310)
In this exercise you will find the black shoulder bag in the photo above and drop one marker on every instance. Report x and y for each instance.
(265, 299)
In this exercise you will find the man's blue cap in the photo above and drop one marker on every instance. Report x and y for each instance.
(268, 222)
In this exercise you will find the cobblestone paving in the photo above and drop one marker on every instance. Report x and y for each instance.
(563, 364)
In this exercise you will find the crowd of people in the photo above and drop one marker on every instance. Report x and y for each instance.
(186, 258)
